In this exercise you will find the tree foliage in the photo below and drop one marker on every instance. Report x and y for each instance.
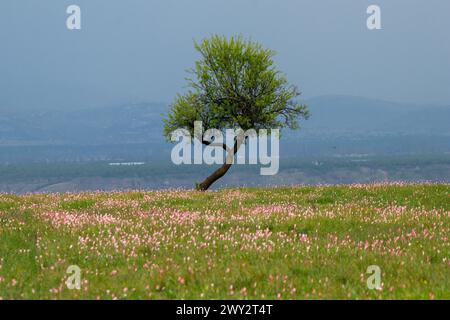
(235, 85)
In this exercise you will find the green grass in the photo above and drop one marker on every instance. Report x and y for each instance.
(281, 243)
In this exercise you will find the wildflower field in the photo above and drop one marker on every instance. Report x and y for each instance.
(278, 243)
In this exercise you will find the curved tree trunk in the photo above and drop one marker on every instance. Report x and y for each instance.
(219, 173)
(216, 175)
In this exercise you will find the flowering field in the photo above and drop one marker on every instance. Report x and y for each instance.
(281, 243)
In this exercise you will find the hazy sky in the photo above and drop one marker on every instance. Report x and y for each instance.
(138, 50)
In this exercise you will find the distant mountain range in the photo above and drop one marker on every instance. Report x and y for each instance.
(106, 125)
(355, 114)
(332, 117)
(140, 123)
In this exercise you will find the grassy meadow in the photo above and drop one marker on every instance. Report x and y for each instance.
(255, 243)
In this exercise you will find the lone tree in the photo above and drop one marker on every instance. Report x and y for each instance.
(234, 85)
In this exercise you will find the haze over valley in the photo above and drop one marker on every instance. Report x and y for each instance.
(346, 140)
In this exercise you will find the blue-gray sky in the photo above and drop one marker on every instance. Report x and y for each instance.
(138, 50)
